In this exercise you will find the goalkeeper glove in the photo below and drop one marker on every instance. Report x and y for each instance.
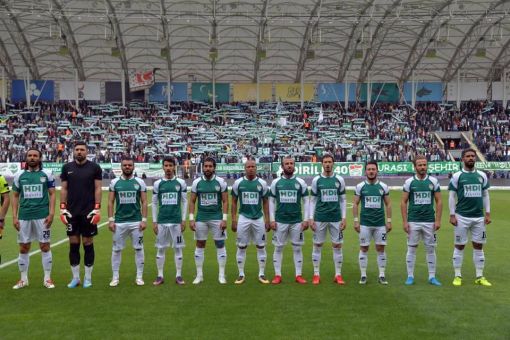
(95, 215)
(64, 213)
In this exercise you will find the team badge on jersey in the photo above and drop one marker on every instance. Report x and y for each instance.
(217, 187)
(136, 186)
(337, 185)
(480, 179)
(177, 187)
(296, 186)
(42, 179)
(259, 187)
(431, 186)
(381, 191)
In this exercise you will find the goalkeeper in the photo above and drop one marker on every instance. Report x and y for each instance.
(80, 208)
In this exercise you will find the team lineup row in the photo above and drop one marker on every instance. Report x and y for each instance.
(287, 207)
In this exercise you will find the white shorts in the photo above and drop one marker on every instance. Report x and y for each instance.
(33, 230)
(475, 225)
(169, 235)
(203, 229)
(125, 230)
(419, 231)
(366, 234)
(319, 235)
(282, 232)
(251, 231)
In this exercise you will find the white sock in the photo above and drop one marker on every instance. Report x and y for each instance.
(88, 272)
(23, 264)
(178, 261)
(47, 264)
(457, 260)
(479, 261)
(241, 258)
(221, 255)
(431, 261)
(410, 260)
(363, 262)
(381, 262)
(298, 259)
(261, 258)
(199, 261)
(116, 260)
(338, 259)
(316, 259)
(76, 271)
(277, 260)
(140, 261)
(160, 261)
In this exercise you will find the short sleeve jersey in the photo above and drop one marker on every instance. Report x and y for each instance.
(80, 180)
(420, 207)
(372, 206)
(128, 203)
(169, 193)
(33, 187)
(209, 192)
(250, 194)
(328, 190)
(288, 193)
(469, 187)
(4, 188)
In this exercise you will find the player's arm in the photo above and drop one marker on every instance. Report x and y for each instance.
(15, 206)
(53, 198)
(6, 200)
(311, 211)
(439, 209)
(343, 209)
(387, 203)
(265, 207)
(233, 212)
(184, 208)
(95, 214)
(143, 199)
(452, 198)
(486, 206)
(191, 209)
(65, 215)
(355, 206)
(154, 209)
(111, 219)
(272, 205)
(403, 210)
(224, 203)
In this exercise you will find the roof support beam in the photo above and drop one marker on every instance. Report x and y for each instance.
(166, 37)
(118, 37)
(70, 41)
(313, 23)
(260, 40)
(6, 62)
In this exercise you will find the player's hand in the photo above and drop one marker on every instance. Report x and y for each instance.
(304, 225)
(65, 215)
(272, 225)
(234, 226)
(111, 226)
(142, 226)
(437, 226)
(453, 220)
(223, 225)
(312, 225)
(155, 228)
(192, 225)
(343, 224)
(15, 223)
(268, 226)
(95, 215)
(183, 226)
(487, 218)
(356, 227)
(406, 227)
(48, 221)
(388, 227)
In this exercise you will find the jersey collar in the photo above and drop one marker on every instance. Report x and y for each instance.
(209, 180)
(324, 176)
(127, 179)
(468, 172)
(367, 182)
(168, 179)
(416, 178)
(293, 176)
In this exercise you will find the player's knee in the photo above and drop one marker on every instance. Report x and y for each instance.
(24, 248)
(318, 245)
(219, 243)
(87, 241)
(278, 249)
(477, 246)
(45, 247)
(240, 247)
(364, 248)
(260, 247)
(460, 246)
(201, 244)
(430, 249)
(379, 247)
(337, 245)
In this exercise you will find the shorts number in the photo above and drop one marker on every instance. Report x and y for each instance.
(301, 236)
(140, 240)
(383, 237)
(263, 237)
(435, 238)
(223, 233)
(179, 239)
(46, 234)
(340, 235)
(484, 235)
(69, 228)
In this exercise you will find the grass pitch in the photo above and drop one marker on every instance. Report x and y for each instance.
(288, 311)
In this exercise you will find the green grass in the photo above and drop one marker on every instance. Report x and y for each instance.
(288, 311)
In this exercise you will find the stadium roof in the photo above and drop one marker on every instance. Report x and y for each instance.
(275, 40)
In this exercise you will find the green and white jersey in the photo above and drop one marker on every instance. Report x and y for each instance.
(168, 199)
(128, 193)
(209, 198)
(327, 191)
(250, 194)
(34, 199)
(372, 205)
(288, 194)
(469, 187)
(420, 207)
